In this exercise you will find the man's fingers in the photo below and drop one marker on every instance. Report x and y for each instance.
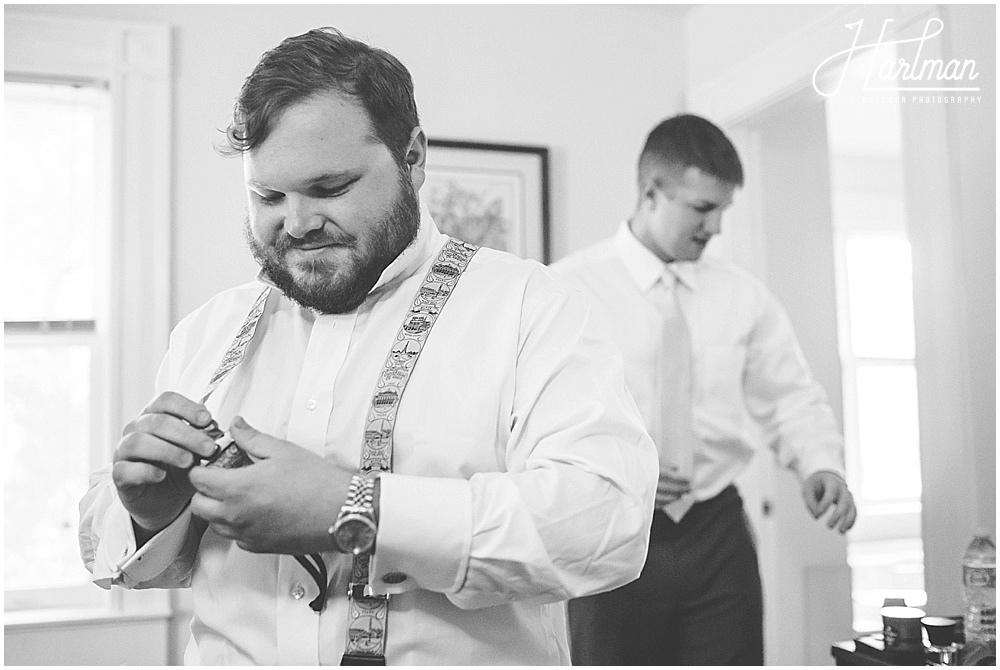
(848, 521)
(129, 474)
(839, 511)
(148, 448)
(812, 492)
(212, 511)
(824, 489)
(215, 483)
(181, 407)
(668, 484)
(666, 498)
(841, 495)
(828, 499)
(673, 489)
(172, 430)
(669, 489)
(819, 496)
(257, 444)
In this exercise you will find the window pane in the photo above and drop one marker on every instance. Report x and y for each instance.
(880, 298)
(47, 442)
(885, 569)
(55, 199)
(887, 432)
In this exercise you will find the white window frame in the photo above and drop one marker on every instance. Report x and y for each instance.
(884, 519)
(133, 60)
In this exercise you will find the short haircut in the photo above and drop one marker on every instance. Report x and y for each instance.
(318, 61)
(685, 141)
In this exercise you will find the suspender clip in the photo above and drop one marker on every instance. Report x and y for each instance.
(356, 591)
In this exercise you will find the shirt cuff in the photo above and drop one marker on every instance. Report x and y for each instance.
(118, 561)
(821, 461)
(424, 534)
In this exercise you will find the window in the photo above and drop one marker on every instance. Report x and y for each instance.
(56, 222)
(86, 228)
(875, 316)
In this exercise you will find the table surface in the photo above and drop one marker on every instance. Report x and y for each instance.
(850, 653)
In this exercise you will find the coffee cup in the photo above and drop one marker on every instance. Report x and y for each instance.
(941, 631)
(901, 628)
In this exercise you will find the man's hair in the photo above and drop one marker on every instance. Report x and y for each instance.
(323, 60)
(685, 141)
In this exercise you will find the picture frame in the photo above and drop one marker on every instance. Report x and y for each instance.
(491, 195)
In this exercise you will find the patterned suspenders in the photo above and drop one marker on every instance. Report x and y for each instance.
(227, 454)
(367, 614)
(238, 348)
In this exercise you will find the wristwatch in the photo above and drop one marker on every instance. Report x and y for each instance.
(354, 530)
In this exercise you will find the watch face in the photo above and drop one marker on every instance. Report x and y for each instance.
(355, 534)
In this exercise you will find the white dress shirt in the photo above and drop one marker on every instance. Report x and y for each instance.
(522, 474)
(751, 383)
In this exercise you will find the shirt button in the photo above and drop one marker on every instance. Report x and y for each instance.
(394, 578)
(310, 405)
(298, 592)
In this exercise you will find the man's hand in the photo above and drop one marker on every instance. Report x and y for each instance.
(152, 460)
(282, 504)
(669, 489)
(825, 489)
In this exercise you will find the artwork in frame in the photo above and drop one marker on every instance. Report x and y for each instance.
(491, 195)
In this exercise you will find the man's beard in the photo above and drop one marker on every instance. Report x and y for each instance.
(333, 287)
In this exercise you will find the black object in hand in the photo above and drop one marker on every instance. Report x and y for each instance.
(227, 455)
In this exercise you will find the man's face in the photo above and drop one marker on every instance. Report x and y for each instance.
(683, 215)
(330, 207)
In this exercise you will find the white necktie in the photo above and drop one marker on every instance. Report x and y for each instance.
(678, 442)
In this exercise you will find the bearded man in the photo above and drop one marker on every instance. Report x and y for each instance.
(514, 473)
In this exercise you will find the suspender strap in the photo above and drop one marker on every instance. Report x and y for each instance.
(238, 348)
(367, 614)
(233, 357)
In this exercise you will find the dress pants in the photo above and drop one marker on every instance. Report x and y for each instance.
(698, 600)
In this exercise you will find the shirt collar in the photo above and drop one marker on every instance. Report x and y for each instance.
(427, 239)
(646, 267)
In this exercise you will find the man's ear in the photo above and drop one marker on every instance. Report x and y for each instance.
(416, 157)
(648, 190)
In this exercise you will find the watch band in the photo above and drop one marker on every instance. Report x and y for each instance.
(368, 614)
(354, 530)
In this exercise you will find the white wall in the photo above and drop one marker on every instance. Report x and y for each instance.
(951, 198)
(974, 162)
(127, 641)
(719, 36)
(586, 81)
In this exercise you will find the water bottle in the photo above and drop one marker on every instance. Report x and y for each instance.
(979, 589)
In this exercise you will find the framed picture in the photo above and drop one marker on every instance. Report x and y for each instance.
(491, 195)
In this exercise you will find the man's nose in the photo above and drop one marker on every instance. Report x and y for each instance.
(301, 217)
(713, 223)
